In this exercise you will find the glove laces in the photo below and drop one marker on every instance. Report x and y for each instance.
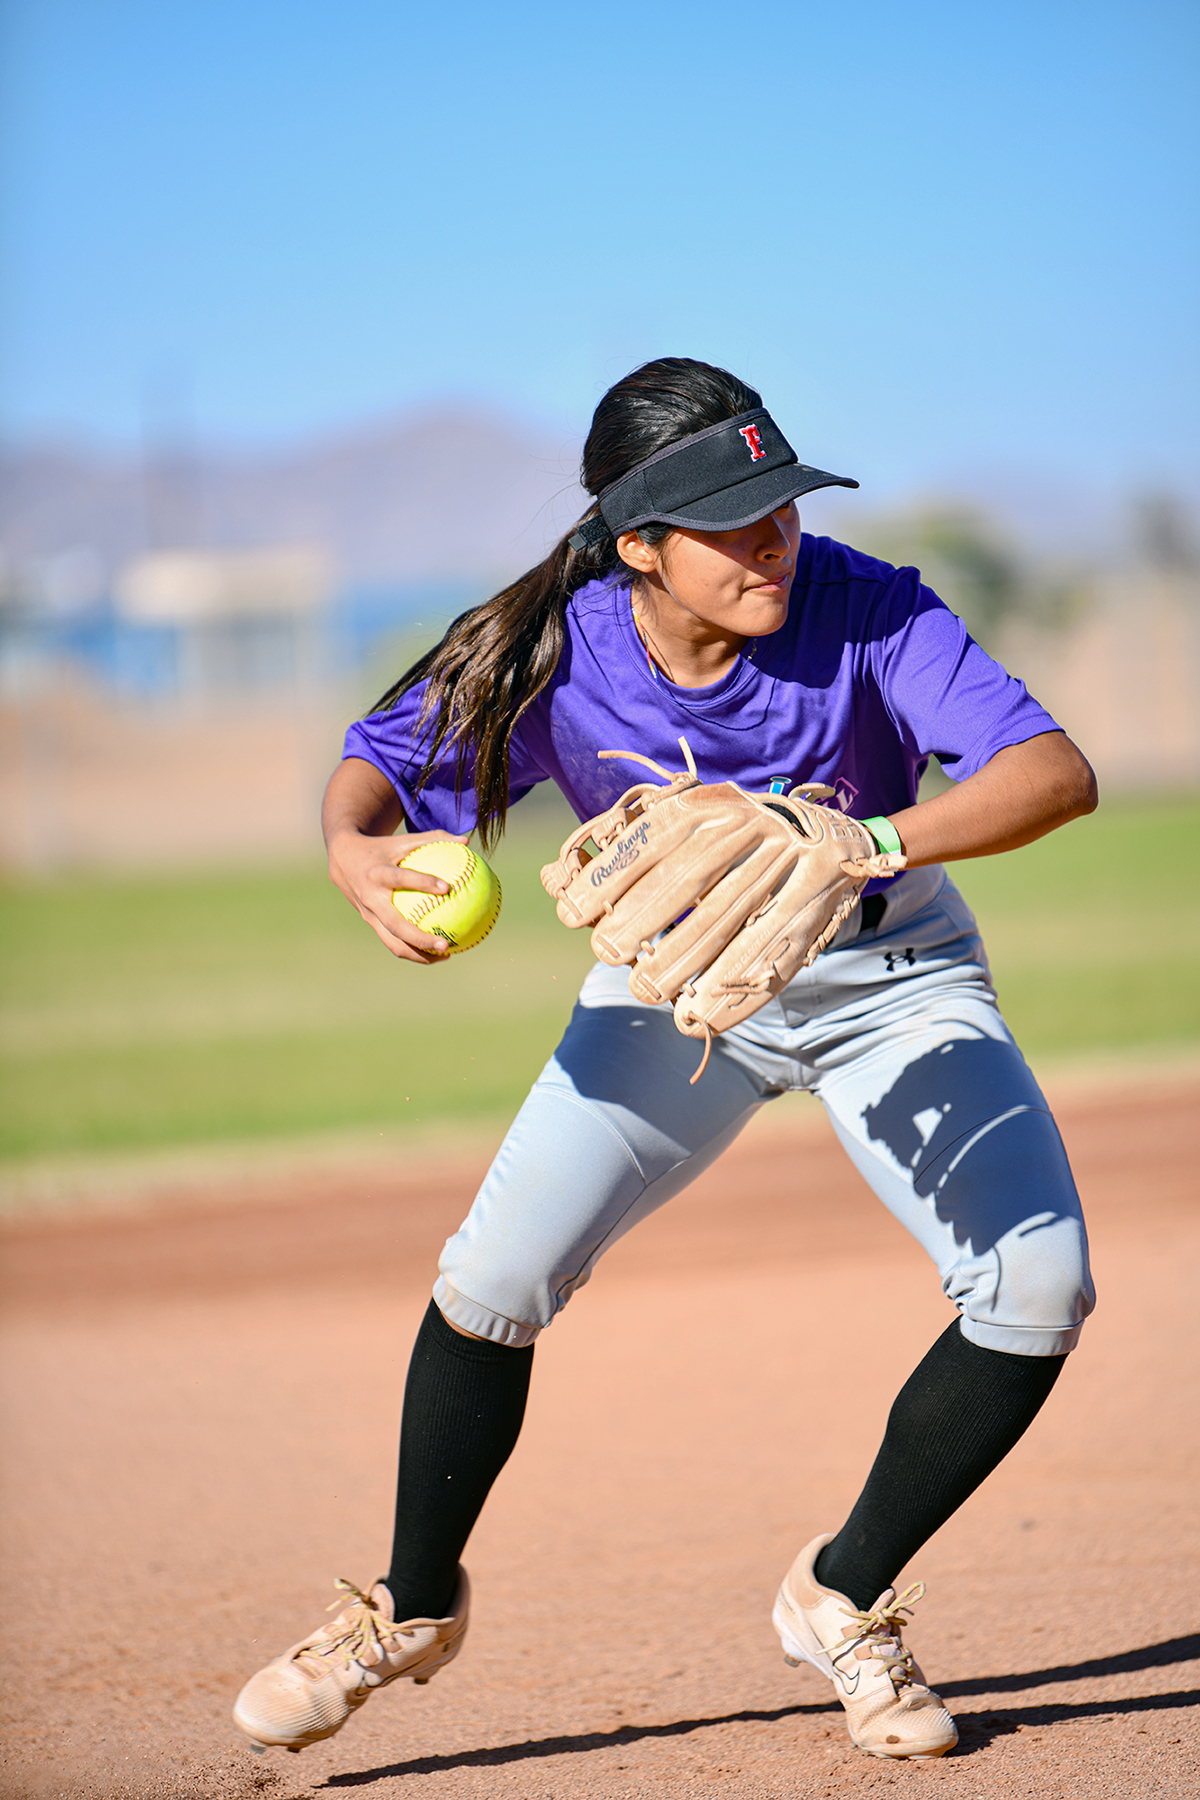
(647, 762)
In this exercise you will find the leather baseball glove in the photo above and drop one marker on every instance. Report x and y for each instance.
(716, 897)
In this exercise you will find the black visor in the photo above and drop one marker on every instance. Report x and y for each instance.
(716, 480)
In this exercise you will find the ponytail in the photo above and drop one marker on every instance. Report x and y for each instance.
(491, 666)
(497, 658)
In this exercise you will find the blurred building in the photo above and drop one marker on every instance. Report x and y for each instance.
(219, 622)
(191, 710)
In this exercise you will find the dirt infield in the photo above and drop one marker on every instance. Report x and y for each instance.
(200, 1406)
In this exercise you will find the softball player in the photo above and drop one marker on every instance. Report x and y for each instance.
(688, 603)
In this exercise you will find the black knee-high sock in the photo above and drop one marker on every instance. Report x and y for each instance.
(463, 1406)
(956, 1417)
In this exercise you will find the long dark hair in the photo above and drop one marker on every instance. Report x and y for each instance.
(495, 659)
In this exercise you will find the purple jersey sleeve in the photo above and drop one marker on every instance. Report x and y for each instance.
(945, 695)
(387, 741)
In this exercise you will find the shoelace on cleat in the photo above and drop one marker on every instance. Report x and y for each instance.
(880, 1630)
(352, 1635)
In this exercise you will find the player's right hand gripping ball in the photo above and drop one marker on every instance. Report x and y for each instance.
(746, 889)
(467, 913)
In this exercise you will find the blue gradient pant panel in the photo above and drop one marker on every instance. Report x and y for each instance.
(896, 1031)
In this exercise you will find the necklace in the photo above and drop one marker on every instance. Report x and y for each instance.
(653, 666)
(655, 660)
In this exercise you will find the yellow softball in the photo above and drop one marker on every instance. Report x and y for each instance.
(467, 913)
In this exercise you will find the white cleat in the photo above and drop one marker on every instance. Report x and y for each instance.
(310, 1691)
(889, 1710)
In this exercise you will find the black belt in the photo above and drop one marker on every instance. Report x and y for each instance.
(873, 909)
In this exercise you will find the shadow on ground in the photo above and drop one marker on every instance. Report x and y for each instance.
(977, 1730)
(1126, 1662)
(570, 1746)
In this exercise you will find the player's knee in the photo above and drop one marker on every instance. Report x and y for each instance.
(1050, 1273)
(1031, 1293)
(505, 1299)
(477, 1315)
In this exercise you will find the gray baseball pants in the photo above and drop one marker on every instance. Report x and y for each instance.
(897, 1032)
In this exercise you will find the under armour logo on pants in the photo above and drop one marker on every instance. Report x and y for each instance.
(893, 959)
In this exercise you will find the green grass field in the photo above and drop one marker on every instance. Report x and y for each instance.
(165, 1011)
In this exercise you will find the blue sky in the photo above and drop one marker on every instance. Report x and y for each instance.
(939, 237)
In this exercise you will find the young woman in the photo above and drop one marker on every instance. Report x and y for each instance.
(687, 603)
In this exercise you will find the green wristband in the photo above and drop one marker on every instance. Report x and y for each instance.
(885, 835)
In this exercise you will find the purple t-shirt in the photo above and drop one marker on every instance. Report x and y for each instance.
(869, 675)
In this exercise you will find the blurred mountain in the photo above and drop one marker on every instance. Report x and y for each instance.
(456, 493)
(447, 492)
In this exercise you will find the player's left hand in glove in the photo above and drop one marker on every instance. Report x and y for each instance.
(716, 896)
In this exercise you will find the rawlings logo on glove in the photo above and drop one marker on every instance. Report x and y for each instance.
(716, 897)
(628, 850)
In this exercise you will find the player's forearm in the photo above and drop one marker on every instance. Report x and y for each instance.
(359, 799)
(1025, 791)
(360, 814)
